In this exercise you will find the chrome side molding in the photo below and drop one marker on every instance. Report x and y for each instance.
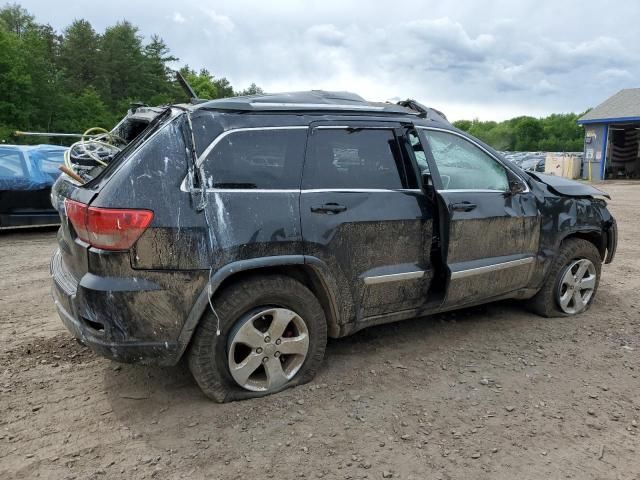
(393, 277)
(491, 268)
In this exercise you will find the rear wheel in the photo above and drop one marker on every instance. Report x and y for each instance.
(572, 281)
(273, 335)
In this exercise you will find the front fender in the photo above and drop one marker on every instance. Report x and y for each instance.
(564, 217)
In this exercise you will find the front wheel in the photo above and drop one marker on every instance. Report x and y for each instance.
(572, 281)
(273, 335)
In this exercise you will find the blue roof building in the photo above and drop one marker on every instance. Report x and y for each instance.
(612, 137)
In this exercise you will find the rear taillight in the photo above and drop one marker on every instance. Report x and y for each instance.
(107, 228)
(77, 213)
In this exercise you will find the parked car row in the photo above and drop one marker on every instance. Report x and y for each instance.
(26, 176)
(533, 161)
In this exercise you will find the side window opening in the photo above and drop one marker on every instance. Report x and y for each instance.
(464, 166)
(354, 158)
(257, 159)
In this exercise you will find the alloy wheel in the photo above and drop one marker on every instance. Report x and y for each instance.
(267, 349)
(577, 286)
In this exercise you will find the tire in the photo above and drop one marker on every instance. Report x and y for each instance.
(547, 302)
(258, 301)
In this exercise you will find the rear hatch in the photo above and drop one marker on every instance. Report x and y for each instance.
(71, 261)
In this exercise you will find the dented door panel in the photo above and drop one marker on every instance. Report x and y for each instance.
(380, 234)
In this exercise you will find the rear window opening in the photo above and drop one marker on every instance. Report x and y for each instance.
(100, 150)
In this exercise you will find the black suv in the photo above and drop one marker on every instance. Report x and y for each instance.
(241, 233)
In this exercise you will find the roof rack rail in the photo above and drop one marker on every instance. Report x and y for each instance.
(314, 100)
(313, 106)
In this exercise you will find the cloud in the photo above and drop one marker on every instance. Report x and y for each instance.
(509, 77)
(326, 34)
(562, 57)
(486, 60)
(615, 74)
(222, 22)
(178, 18)
(449, 39)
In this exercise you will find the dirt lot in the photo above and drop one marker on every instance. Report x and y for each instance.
(494, 392)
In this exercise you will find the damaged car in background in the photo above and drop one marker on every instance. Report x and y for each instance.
(27, 173)
(241, 233)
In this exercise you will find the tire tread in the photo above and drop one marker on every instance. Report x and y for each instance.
(204, 355)
(544, 302)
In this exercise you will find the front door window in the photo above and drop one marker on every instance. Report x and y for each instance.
(464, 166)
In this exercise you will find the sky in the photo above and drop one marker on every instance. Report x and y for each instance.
(467, 58)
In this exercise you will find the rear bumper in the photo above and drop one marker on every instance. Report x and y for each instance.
(148, 353)
(97, 334)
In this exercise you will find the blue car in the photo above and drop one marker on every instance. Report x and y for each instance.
(26, 176)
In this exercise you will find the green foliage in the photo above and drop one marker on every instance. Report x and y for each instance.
(15, 19)
(78, 54)
(80, 78)
(202, 82)
(15, 81)
(78, 113)
(555, 133)
(252, 90)
(206, 85)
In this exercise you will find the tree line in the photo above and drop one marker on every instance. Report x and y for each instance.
(76, 79)
(555, 133)
(72, 80)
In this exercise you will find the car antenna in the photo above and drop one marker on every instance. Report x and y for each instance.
(188, 89)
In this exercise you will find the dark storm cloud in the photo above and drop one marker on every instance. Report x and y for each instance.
(468, 58)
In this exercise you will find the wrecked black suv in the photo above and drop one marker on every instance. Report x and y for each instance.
(241, 233)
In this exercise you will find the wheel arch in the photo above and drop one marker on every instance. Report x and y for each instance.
(295, 266)
(594, 236)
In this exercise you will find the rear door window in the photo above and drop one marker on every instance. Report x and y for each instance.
(340, 158)
(257, 159)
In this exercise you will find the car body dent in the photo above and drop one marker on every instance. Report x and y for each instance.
(564, 216)
(566, 187)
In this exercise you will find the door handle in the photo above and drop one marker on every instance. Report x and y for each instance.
(462, 206)
(329, 208)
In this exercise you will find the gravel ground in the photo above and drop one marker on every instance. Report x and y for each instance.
(492, 392)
